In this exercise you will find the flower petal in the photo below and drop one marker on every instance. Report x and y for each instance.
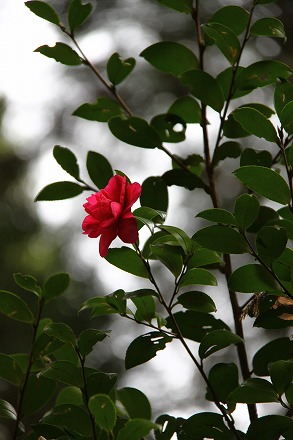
(133, 192)
(106, 239)
(115, 190)
(91, 227)
(127, 230)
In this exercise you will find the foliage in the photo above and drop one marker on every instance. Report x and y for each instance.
(84, 402)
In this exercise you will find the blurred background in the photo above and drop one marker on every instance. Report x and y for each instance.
(37, 99)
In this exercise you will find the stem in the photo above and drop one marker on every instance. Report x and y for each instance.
(287, 166)
(28, 371)
(148, 324)
(236, 310)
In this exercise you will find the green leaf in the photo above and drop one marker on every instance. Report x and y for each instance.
(38, 392)
(261, 158)
(251, 278)
(254, 390)
(99, 169)
(184, 6)
(265, 182)
(135, 131)
(246, 210)
(102, 110)
(221, 239)
(103, 410)
(227, 149)
(7, 410)
(254, 122)
(232, 129)
(198, 301)
(27, 282)
(170, 57)
(205, 425)
(64, 372)
(270, 427)
(136, 429)
(170, 257)
(171, 128)
(67, 160)
(10, 369)
(187, 109)
(170, 425)
(135, 403)
(62, 53)
(145, 307)
(128, 260)
(70, 395)
(262, 73)
(182, 238)
(72, 418)
(44, 10)
(100, 383)
(273, 351)
(78, 13)
(205, 88)
(197, 276)
(283, 94)
(146, 213)
(271, 243)
(268, 26)
(141, 292)
(218, 215)
(99, 306)
(55, 286)
(154, 193)
(264, 2)
(289, 395)
(225, 39)
(88, 339)
(281, 373)
(286, 117)
(203, 257)
(15, 308)
(225, 78)
(265, 215)
(61, 331)
(118, 69)
(180, 177)
(59, 191)
(144, 348)
(215, 341)
(195, 325)
(224, 379)
(234, 17)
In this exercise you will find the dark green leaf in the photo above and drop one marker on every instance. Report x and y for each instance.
(171, 128)
(117, 300)
(261, 158)
(221, 239)
(198, 301)
(205, 425)
(128, 260)
(15, 308)
(232, 129)
(136, 429)
(70, 395)
(203, 257)
(62, 53)
(55, 286)
(282, 267)
(72, 418)
(78, 13)
(289, 395)
(281, 373)
(234, 17)
(99, 306)
(265, 215)
(38, 392)
(180, 177)
(264, 2)
(59, 191)
(270, 427)
(215, 341)
(227, 149)
(254, 122)
(186, 108)
(170, 425)
(145, 307)
(100, 383)
(141, 292)
(135, 131)
(271, 319)
(145, 214)
(224, 379)
(66, 160)
(99, 169)
(103, 410)
(184, 6)
(144, 348)
(286, 117)
(27, 282)
(218, 215)
(197, 276)
(182, 238)
(10, 369)
(44, 10)
(102, 110)
(273, 351)
(246, 210)
(7, 410)
(154, 193)
(88, 338)
(170, 57)
(61, 331)
(283, 94)
(254, 390)
(64, 372)
(171, 258)
(251, 278)
(265, 182)
(268, 26)
(271, 243)
(225, 39)
(195, 325)
(118, 69)
(225, 78)
(205, 88)
(135, 403)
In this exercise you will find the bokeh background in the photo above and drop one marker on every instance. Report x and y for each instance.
(37, 99)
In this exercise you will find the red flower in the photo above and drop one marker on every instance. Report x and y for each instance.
(110, 215)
